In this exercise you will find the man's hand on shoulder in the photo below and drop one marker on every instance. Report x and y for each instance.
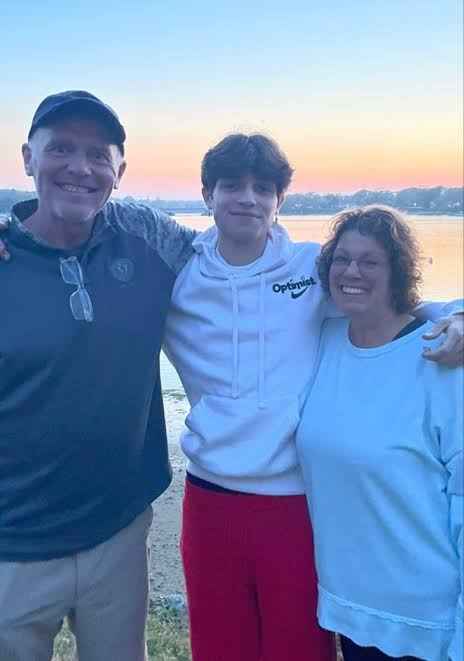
(4, 254)
(451, 352)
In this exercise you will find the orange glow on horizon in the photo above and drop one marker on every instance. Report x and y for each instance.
(177, 173)
(331, 156)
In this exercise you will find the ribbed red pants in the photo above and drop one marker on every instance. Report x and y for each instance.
(251, 582)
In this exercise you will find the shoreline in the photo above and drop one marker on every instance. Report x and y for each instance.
(166, 576)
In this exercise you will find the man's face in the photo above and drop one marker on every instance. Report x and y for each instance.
(74, 167)
(244, 208)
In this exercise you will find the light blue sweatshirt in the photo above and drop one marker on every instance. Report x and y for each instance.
(381, 448)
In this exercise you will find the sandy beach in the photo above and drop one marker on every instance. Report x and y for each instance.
(165, 566)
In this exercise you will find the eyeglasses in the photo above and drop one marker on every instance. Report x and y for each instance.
(79, 301)
(342, 262)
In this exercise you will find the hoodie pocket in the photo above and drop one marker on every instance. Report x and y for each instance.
(236, 438)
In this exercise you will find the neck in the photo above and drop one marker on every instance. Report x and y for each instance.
(58, 232)
(240, 254)
(374, 331)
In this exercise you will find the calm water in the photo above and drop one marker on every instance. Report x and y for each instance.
(441, 240)
(440, 237)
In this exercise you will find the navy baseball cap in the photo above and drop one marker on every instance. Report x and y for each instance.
(72, 100)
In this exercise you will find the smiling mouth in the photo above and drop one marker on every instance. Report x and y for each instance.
(72, 188)
(352, 291)
(245, 215)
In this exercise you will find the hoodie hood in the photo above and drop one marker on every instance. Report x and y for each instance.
(277, 252)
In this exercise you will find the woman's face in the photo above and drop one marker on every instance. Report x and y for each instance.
(360, 276)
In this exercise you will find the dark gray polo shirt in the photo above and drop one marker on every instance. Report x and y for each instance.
(83, 445)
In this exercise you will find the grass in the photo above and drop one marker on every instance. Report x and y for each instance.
(167, 637)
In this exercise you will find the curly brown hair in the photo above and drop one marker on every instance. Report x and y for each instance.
(388, 227)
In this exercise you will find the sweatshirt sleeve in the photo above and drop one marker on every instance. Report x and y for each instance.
(456, 649)
(435, 310)
(455, 492)
(451, 431)
(429, 311)
(172, 241)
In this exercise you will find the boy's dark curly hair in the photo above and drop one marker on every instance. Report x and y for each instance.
(239, 154)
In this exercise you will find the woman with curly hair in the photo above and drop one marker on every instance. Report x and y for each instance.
(380, 444)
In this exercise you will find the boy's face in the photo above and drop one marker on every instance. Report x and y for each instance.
(244, 208)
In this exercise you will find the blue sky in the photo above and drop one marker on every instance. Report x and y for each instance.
(331, 81)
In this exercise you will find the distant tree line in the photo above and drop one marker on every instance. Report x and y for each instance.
(171, 206)
(436, 200)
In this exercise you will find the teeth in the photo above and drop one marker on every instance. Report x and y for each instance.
(352, 290)
(74, 189)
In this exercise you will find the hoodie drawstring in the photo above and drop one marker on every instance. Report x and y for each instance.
(233, 285)
(261, 394)
(261, 342)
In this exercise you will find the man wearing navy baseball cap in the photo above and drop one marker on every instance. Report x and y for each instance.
(83, 449)
(76, 130)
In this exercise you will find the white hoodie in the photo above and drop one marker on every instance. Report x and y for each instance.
(244, 342)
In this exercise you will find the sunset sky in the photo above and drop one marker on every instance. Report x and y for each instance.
(360, 93)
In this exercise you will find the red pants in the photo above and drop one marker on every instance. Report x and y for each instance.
(251, 582)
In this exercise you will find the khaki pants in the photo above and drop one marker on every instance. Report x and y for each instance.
(103, 591)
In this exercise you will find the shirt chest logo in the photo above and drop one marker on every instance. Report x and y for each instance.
(296, 288)
(122, 269)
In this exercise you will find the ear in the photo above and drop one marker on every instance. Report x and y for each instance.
(27, 159)
(121, 170)
(207, 197)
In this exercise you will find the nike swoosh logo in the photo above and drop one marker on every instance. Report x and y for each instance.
(299, 293)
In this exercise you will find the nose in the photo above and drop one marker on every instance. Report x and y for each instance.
(79, 165)
(247, 195)
(353, 269)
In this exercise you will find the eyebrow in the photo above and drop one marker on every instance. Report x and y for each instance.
(239, 177)
(104, 148)
(57, 141)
